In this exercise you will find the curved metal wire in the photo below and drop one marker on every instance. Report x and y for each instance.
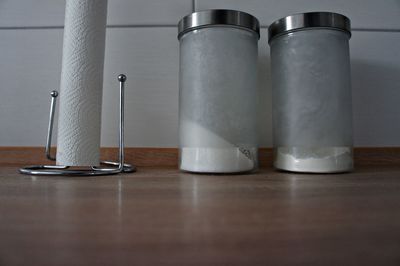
(121, 166)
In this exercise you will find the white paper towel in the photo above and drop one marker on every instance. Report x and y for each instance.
(78, 142)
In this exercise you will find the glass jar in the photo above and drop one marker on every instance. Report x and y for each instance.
(218, 91)
(311, 93)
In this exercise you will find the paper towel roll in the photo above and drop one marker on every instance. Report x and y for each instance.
(78, 142)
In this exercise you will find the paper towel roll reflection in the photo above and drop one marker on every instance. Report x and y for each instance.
(81, 85)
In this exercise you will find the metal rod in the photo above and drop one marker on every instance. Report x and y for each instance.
(91, 170)
(121, 79)
(53, 103)
(122, 166)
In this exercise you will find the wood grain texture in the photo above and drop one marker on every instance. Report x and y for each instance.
(377, 156)
(159, 216)
(156, 157)
(168, 157)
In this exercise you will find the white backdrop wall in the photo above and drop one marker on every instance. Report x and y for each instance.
(141, 42)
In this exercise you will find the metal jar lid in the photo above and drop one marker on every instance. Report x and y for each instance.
(214, 17)
(308, 20)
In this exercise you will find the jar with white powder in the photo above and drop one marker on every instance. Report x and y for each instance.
(218, 91)
(311, 93)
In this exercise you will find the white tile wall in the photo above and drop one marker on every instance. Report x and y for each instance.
(376, 87)
(375, 58)
(45, 13)
(364, 14)
(30, 65)
(149, 57)
(142, 43)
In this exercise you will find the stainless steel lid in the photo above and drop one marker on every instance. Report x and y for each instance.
(213, 17)
(308, 20)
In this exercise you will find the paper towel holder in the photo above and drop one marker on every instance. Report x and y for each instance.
(52, 170)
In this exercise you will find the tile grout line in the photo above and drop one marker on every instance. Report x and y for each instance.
(108, 26)
(143, 26)
(163, 26)
(360, 29)
(376, 30)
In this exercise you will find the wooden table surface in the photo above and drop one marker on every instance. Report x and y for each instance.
(164, 217)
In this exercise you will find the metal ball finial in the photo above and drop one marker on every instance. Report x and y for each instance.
(54, 93)
(121, 78)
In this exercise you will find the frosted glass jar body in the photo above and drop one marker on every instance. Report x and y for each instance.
(218, 100)
(312, 110)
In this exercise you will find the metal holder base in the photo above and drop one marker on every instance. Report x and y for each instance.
(115, 167)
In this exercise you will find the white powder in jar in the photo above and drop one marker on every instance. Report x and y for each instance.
(205, 152)
(215, 160)
(314, 160)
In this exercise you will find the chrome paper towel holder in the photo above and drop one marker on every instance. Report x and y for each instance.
(119, 167)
